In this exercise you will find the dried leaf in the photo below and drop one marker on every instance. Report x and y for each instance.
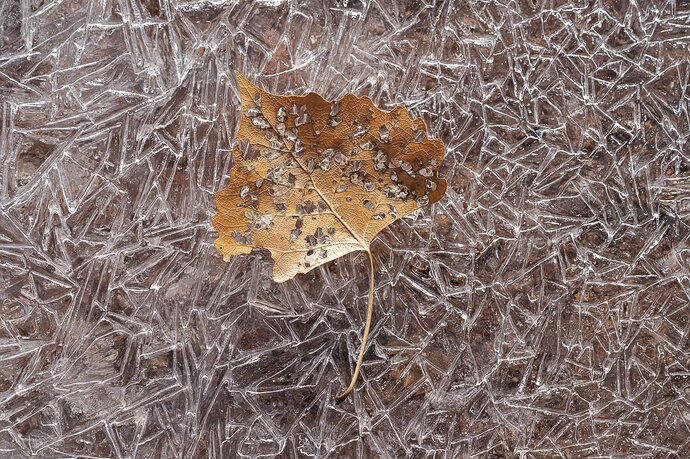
(316, 180)
(313, 180)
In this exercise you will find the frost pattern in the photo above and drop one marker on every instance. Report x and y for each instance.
(540, 309)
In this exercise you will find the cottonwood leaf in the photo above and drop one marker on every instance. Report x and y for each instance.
(313, 180)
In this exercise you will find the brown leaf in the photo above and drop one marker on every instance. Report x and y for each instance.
(313, 180)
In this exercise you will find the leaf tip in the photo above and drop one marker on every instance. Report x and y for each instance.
(242, 81)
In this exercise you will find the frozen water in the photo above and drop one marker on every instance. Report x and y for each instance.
(540, 309)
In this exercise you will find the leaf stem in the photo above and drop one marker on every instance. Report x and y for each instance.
(367, 326)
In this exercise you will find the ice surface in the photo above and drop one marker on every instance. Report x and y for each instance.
(540, 309)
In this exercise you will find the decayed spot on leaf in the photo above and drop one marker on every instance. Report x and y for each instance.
(313, 180)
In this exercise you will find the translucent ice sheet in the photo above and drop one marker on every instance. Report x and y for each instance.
(540, 309)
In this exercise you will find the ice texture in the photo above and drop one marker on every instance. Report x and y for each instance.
(541, 309)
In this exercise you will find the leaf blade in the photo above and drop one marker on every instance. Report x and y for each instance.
(336, 174)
